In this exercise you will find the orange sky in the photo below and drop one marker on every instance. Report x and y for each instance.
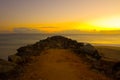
(59, 15)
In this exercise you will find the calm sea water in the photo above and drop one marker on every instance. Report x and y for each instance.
(10, 42)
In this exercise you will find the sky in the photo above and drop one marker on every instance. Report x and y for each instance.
(59, 15)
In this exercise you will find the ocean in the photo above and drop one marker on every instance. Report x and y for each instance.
(10, 42)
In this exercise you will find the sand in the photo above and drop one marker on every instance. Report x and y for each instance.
(59, 64)
(110, 53)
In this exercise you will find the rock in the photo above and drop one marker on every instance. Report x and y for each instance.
(116, 70)
(91, 51)
(28, 50)
(15, 59)
(58, 42)
(88, 48)
(104, 66)
(6, 68)
(117, 75)
(88, 51)
(116, 67)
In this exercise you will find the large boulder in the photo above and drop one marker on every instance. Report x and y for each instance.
(15, 59)
(103, 66)
(26, 50)
(29, 50)
(91, 51)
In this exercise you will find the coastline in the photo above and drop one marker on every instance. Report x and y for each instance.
(109, 52)
(10, 42)
(91, 56)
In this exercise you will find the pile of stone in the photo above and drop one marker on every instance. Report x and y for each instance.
(6, 69)
(57, 42)
(90, 52)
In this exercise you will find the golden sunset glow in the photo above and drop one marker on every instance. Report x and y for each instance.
(108, 23)
(59, 15)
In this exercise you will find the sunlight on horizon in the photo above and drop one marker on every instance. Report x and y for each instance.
(59, 15)
(110, 23)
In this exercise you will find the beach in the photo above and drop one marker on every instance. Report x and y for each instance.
(111, 53)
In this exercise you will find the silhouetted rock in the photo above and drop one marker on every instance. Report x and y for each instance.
(90, 51)
(104, 66)
(6, 68)
(26, 50)
(116, 70)
(15, 59)
(24, 54)
(57, 42)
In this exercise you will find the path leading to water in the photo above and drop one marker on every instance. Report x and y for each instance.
(59, 64)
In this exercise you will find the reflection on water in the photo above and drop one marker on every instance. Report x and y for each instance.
(10, 42)
(105, 39)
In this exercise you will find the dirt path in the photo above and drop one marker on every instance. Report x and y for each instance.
(59, 64)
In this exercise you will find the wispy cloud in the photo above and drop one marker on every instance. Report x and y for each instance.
(26, 30)
(47, 27)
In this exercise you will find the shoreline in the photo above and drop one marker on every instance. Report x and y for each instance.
(9, 42)
(91, 55)
(99, 46)
(109, 52)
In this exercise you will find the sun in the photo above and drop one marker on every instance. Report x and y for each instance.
(107, 23)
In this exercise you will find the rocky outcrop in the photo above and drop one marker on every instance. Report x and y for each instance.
(6, 68)
(116, 70)
(109, 68)
(91, 51)
(24, 54)
(15, 59)
(58, 42)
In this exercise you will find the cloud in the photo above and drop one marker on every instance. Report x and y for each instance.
(47, 27)
(5, 31)
(26, 30)
(71, 32)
